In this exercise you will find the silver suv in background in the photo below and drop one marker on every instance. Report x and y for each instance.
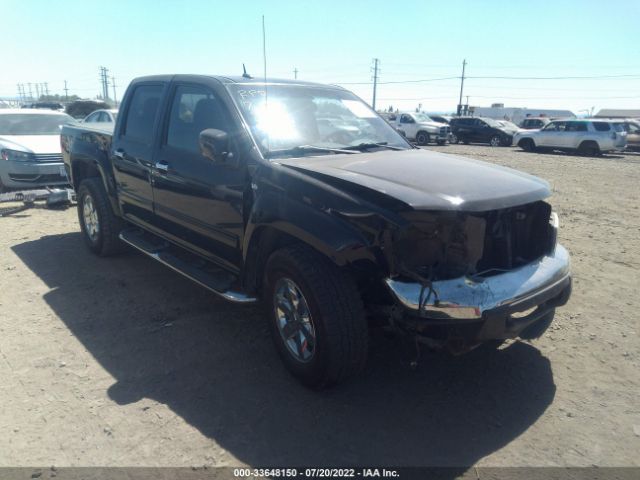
(588, 137)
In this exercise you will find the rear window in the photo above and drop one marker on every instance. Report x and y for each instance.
(142, 113)
(601, 126)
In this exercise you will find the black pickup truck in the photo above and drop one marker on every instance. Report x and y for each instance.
(300, 195)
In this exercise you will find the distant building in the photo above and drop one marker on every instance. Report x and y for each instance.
(618, 113)
(498, 111)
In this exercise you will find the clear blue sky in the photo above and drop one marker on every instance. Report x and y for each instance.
(334, 42)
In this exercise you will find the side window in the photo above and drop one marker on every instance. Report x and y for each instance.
(103, 117)
(92, 118)
(576, 127)
(632, 128)
(142, 113)
(193, 110)
(551, 127)
(406, 119)
(601, 126)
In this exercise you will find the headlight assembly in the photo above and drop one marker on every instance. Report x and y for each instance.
(15, 155)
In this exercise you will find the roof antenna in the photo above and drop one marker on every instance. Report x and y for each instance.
(245, 74)
(264, 58)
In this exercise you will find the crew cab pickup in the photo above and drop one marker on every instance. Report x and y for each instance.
(420, 128)
(231, 182)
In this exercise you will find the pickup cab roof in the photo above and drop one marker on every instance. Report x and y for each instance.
(231, 79)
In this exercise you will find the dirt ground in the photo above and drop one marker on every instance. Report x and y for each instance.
(123, 362)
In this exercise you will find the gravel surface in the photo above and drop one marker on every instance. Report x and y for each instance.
(123, 362)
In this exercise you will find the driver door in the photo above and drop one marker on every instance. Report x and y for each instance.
(407, 125)
(196, 199)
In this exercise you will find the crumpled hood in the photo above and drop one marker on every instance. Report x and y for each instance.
(32, 143)
(427, 180)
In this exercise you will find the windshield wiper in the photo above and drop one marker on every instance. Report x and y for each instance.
(302, 149)
(366, 146)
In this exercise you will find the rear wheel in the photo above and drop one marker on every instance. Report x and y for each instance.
(589, 148)
(99, 225)
(453, 139)
(316, 317)
(422, 138)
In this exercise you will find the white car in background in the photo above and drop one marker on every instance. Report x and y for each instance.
(420, 128)
(102, 117)
(30, 153)
(586, 136)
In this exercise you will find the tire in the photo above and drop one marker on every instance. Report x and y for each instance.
(423, 138)
(335, 329)
(495, 141)
(453, 139)
(589, 149)
(527, 145)
(103, 239)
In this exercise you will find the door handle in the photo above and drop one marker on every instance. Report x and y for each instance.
(161, 166)
(119, 153)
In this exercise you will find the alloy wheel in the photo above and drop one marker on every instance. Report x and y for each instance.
(293, 319)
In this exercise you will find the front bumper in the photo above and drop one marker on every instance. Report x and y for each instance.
(32, 174)
(496, 301)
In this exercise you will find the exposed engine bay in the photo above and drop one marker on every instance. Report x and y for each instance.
(445, 245)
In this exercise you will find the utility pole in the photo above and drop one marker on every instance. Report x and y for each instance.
(30, 92)
(295, 73)
(66, 92)
(104, 80)
(464, 64)
(375, 80)
(46, 88)
(37, 91)
(20, 93)
(113, 84)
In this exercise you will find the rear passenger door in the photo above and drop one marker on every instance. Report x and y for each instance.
(199, 202)
(132, 151)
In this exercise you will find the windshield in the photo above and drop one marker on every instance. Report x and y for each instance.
(491, 122)
(328, 119)
(422, 117)
(29, 124)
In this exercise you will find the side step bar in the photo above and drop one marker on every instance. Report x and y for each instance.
(218, 281)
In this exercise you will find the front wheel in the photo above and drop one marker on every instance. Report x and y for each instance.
(99, 225)
(422, 138)
(453, 139)
(316, 317)
(527, 145)
(495, 141)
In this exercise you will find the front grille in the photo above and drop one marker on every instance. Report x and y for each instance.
(516, 236)
(445, 130)
(48, 157)
(444, 245)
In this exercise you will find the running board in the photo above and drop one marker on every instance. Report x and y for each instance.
(217, 280)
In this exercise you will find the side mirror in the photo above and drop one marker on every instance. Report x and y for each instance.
(214, 145)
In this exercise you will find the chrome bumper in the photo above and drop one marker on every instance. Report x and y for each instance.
(470, 298)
